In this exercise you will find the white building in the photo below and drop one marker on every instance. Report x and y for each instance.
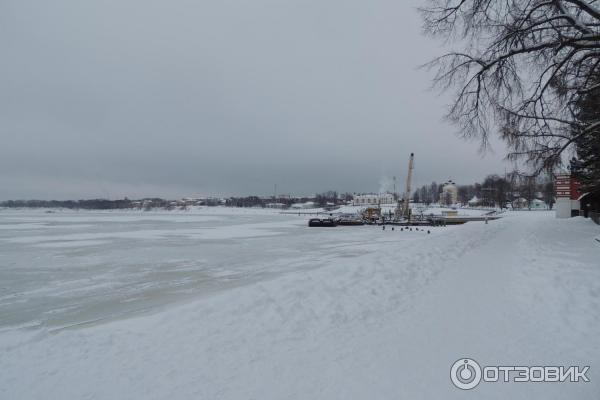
(276, 205)
(373, 199)
(300, 206)
(449, 194)
(474, 202)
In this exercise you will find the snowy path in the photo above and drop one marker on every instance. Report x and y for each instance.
(365, 314)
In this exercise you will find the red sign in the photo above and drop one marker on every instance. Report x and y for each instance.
(568, 187)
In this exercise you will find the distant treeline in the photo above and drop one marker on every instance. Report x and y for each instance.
(495, 190)
(320, 199)
(94, 204)
(104, 204)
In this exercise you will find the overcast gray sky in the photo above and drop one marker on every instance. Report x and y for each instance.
(171, 98)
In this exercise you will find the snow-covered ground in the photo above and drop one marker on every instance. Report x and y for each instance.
(252, 304)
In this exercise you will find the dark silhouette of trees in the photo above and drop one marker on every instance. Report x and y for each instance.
(587, 167)
(529, 69)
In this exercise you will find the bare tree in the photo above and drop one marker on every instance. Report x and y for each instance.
(522, 68)
(435, 192)
(548, 191)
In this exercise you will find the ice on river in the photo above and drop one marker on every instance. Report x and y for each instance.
(231, 304)
(68, 268)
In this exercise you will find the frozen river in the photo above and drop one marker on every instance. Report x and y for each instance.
(69, 268)
(235, 304)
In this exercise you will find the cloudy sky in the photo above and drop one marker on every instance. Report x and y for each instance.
(113, 98)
